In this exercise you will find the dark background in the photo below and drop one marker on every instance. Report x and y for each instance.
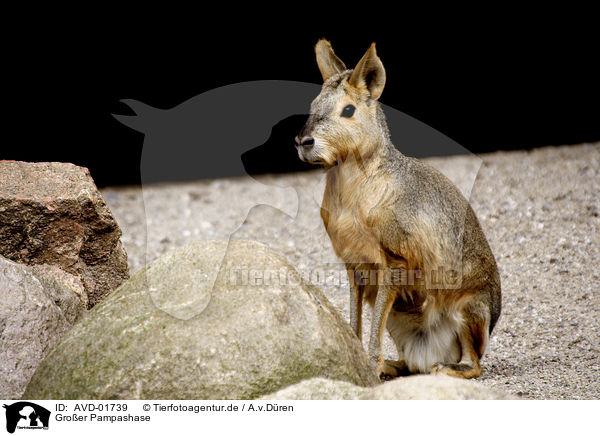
(487, 87)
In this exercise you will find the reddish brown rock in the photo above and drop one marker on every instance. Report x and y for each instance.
(52, 213)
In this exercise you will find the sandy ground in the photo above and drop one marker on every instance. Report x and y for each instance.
(540, 211)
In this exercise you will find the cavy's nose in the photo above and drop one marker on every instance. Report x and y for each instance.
(306, 141)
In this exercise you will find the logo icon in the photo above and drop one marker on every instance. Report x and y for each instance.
(26, 415)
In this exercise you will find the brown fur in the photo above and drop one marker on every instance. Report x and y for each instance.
(436, 285)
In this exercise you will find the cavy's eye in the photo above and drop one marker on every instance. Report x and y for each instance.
(348, 111)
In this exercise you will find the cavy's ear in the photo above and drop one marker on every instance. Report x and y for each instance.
(329, 63)
(369, 74)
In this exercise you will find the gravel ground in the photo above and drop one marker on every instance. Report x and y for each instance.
(540, 210)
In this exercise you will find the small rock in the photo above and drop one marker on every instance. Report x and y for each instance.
(433, 387)
(318, 389)
(416, 387)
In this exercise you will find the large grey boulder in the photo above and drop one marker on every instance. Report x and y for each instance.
(37, 305)
(52, 213)
(168, 334)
